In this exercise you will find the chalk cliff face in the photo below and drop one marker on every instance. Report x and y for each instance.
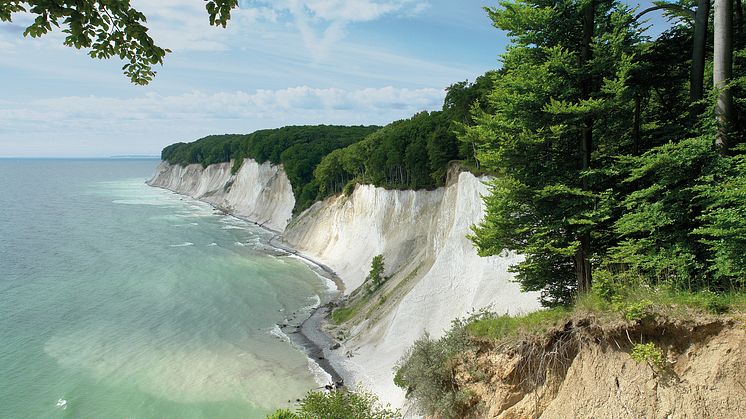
(257, 192)
(435, 272)
(433, 267)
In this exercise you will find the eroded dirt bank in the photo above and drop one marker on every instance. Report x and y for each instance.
(584, 370)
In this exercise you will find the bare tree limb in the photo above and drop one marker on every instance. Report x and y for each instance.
(667, 6)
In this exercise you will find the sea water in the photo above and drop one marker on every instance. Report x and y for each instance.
(122, 300)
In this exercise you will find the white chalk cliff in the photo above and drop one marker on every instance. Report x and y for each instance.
(436, 274)
(257, 192)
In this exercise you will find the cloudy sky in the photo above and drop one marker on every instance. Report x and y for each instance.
(278, 63)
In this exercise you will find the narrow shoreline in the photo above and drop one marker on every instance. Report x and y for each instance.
(310, 335)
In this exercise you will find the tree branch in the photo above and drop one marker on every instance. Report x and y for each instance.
(673, 7)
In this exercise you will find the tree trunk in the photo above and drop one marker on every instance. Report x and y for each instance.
(697, 76)
(739, 19)
(582, 263)
(474, 150)
(723, 69)
(699, 47)
(637, 123)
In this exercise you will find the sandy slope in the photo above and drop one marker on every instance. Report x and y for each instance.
(583, 369)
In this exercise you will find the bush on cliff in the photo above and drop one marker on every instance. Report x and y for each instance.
(338, 405)
(427, 372)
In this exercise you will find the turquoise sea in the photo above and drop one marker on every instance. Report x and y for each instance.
(118, 300)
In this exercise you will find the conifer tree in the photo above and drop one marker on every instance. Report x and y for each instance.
(558, 101)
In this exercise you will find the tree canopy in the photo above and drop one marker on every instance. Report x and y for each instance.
(107, 28)
(412, 153)
(605, 159)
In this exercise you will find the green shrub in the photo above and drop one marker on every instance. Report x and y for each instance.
(338, 405)
(637, 311)
(399, 380)
(648, 353)
(341, 315)
(427, 372)
(237, 163)
(715, 303)
(605, 285)
(349, 188)
(283, 414)
(375, 277)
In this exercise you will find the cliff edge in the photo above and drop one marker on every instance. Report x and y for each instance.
(433, 271)
(257, 192)
(584, 369)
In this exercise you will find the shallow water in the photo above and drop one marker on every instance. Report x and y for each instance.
(121, 300)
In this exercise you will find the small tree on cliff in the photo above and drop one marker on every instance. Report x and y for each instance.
(375, 277)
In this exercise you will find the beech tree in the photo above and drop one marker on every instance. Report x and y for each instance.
(701, 19)
(558, 102)
(723, 69)
(107, 28)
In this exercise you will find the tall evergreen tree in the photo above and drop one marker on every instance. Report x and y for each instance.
(557, 104)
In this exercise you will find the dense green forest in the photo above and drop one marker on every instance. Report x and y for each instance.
(614, 154)
(299, 149)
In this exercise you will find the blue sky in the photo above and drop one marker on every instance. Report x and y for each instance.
(278, 63)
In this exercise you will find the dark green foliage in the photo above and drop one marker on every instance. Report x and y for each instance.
(661, 213)
(412, 153)
(652, 197)
(299, 149)
(338, 405)
(723, 221)
(375, 277)
(546, 200)
(106, 28)
(407, 154)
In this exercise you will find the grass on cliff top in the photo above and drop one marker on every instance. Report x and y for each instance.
(629, 303)
(499, 327)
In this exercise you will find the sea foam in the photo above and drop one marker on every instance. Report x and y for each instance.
(185, 244)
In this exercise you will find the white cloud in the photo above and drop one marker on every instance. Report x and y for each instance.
(95, 126)
(341, 10)
(294, 105)
(182, 25)
(323, 23)
(6, 46)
